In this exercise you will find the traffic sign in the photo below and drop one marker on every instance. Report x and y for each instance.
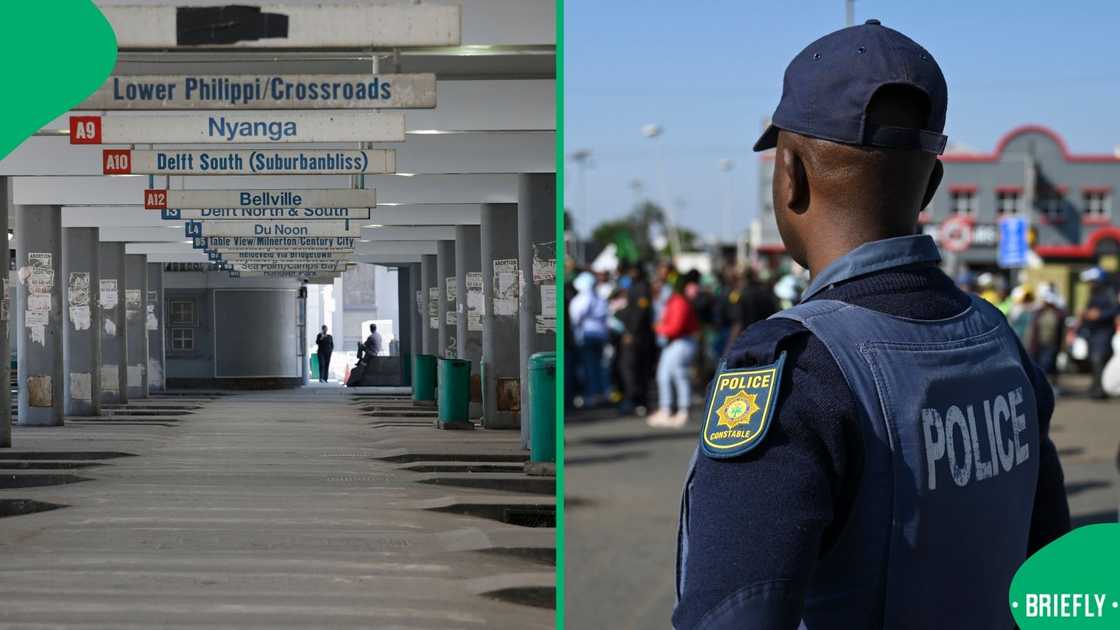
(249, 162)
(251, 214)
(955, 234)
(239, 127)
(339, 243)
(1013, 244)
(273, 228)
(237, 91)
(322, 199)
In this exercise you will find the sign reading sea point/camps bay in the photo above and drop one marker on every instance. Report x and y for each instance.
(248, 162)
(239, 127)
(307, 91)
(159, 199)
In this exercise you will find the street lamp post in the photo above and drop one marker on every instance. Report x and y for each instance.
(725, 166)
(582, 158)
(653, 131)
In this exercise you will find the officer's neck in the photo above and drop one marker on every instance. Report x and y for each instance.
(835, 242)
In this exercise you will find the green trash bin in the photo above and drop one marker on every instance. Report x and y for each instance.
(314, 366)
(542, 407)
(454, 392)
(424, 377)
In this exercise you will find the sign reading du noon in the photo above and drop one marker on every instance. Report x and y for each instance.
(159, 199)
(305, 91)
(239, 128)
(274, 228)
(246, 162)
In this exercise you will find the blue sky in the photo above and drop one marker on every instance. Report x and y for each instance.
(710, 71)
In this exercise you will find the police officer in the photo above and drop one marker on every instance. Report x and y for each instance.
(878, 455)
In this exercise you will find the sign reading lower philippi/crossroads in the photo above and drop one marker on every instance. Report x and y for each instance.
(305, 91)
(239, 127)
(159, 199)
(249, 162)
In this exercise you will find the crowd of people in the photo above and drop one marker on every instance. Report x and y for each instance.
(645, 339)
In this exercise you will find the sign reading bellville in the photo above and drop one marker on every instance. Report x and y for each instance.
(246, 162)
(233, 91)
(159, 199)
(239, 128)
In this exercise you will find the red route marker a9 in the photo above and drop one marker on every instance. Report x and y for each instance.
(85, 130)
(155, 199)
(116, 161)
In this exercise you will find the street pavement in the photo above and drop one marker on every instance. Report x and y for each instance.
(623, 483)
(289, 509)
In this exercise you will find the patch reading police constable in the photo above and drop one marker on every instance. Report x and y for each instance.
(739, 409)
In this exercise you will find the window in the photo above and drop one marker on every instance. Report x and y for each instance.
(182, 313)
(1052, 206)
(962, 202)
(1008, 202)
(182, 339)
(1098, 205)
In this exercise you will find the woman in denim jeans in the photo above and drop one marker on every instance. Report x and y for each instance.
(678, 325)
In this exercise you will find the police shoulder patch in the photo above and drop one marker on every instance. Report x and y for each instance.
(740, 409)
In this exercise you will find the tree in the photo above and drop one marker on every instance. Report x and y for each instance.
(633, 234)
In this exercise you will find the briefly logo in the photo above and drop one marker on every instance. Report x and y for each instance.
(740, 409)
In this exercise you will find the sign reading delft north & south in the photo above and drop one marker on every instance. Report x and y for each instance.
(159, 199)
(239, 127)
(250, 214)
(340, 91)
(270, 162)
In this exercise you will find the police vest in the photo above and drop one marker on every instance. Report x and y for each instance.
(951, 441)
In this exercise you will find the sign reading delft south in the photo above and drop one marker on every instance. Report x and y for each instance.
(239, 128)
(245, 162)
(307, 91)
(161, 199)
(293, 229)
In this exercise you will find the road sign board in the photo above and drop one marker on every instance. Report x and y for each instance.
(244, 91)
(955, 234)
(350, 25)
(338, 243)
(273, 228)
(281, 255)
(239, 127)
(323, 199)
(251, 214)
(249, 162)
(1013, 244)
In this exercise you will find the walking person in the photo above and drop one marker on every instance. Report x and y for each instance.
(1047, 332)
(678, 326)
(324, 343)
(1098, 325)
(588, 313)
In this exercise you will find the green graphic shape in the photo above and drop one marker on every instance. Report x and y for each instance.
(1073, 574)
(55, 55)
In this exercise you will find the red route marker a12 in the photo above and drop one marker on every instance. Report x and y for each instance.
(155, 199)
(116, 161)
(85, 130)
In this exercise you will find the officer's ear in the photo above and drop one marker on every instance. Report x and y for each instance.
(934, 182)
(795, 188)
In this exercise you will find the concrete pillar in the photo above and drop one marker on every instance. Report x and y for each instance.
(114, 343)
(416, 332)
(445, 277)
(501, 391)
(135, 298)
(39, 315)
(468, 307)
(536, 247)
(5, 314)
(304, 360)
(429, 306)
(81, 328)
(405, 309)
(157, 354)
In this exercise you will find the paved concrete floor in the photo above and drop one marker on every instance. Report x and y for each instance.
(265, 510)
(623, 484)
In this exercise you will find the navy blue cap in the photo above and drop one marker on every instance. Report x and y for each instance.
(829, 85)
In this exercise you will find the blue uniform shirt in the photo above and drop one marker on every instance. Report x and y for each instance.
(759, 523)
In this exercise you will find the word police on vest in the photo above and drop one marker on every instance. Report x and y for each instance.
(966, 459)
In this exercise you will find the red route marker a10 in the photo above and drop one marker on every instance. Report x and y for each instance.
(116, 161)
(155, 199)
(85, 130)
